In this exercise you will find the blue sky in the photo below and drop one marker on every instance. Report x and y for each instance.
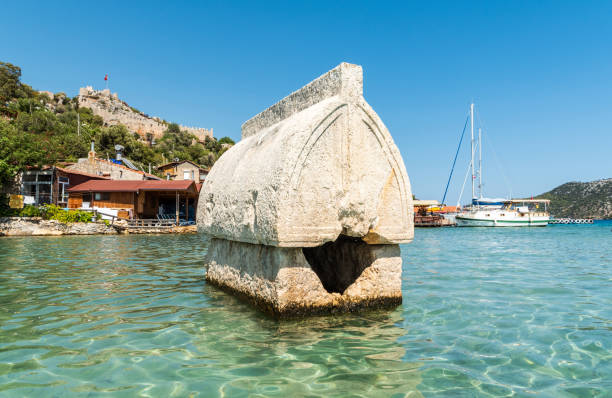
(540, 72)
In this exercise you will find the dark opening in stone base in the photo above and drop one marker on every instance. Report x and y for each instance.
(339, 263)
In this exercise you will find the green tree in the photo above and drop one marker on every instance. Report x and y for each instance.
(10, 85)
(134, 149)
(175, 143)
(226, 140)
(173, 128)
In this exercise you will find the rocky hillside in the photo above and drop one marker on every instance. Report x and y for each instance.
(114, 112)
(581, 199)
(40, 128)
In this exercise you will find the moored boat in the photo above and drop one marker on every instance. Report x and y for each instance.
(494, 212)
(512, 213)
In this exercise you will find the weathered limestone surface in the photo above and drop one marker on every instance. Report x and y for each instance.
(306, 212)
(311, 173)
(35, 226)
(280, 280)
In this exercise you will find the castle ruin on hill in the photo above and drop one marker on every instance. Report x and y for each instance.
(115, 111)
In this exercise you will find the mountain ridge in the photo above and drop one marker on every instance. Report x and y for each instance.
(577, 199)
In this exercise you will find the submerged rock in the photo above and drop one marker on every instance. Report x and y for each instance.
(306, 212)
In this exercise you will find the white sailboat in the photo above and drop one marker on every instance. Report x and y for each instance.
(488, 212)
(512, 213)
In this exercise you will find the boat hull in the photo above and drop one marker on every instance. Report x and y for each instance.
(467, 221)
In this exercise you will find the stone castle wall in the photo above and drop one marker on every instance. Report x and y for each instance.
(114, 111)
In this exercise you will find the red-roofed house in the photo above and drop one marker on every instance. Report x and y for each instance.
(143, 199)
(49, 185)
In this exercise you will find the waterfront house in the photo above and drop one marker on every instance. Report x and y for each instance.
(144, 199)
(50, 184)
(184, 170)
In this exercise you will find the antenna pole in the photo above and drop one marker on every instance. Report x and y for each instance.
(480, 162)
(472, 135)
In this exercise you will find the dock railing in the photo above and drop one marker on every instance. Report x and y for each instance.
(571, 221)
(161, 220)
(158, 222)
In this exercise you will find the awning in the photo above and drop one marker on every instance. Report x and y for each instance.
(134, 186)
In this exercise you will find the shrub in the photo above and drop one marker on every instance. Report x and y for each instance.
(30, 211)
(53, 212)
(5, 210)
(50, 212)
(226, 140)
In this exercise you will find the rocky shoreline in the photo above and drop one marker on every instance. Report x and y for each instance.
(36, 226)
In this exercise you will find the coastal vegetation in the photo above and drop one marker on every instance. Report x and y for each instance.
(50, 212)
(37, 130)
(581, 199)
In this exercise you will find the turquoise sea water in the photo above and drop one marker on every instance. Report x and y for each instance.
(486, 312)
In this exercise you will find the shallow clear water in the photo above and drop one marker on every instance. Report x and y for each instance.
(487, 312)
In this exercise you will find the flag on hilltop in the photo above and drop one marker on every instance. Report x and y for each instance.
(105, 77)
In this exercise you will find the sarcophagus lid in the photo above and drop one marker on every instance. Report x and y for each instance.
(318, 164)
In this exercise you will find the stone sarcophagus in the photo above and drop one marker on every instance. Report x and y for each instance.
(306, 212)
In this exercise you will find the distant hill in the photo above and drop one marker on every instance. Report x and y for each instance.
(581, 199)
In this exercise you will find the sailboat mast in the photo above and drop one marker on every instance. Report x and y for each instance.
(480, 162)
(472, 134)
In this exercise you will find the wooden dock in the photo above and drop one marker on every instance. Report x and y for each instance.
(431, 221)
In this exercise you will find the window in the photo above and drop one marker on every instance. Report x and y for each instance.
(101, 196)
(29, 177)
(64, 182)
(86, 201)
(188, 175)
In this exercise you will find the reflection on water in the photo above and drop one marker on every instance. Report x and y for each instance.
(486, 313)
(322, 356)
(132, 315)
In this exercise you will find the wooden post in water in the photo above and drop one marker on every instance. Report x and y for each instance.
(177, 208)
(187, 208)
